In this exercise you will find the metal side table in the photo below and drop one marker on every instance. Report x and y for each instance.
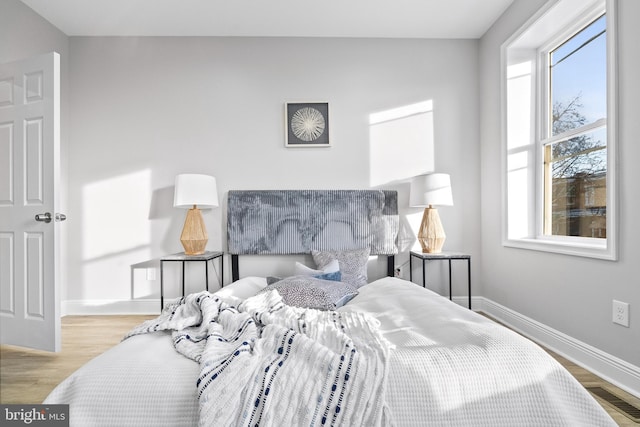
(443, 256)
(183, 258)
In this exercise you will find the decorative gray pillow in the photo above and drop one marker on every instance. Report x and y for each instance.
(353, 264)
(309, 292)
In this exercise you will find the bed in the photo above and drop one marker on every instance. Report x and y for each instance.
(327, 345)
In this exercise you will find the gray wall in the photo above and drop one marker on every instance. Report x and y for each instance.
(146, 109)
(141, 110)
(24, 33)
(572, 295)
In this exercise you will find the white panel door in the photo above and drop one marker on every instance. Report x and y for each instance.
(29, 176)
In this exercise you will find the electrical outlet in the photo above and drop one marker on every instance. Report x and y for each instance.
(621, 313)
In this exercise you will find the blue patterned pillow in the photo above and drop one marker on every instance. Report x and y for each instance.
(353, 264)
(310, 292)
(336, 276)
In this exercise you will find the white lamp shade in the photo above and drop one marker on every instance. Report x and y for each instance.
(431, 190)
(194, 189)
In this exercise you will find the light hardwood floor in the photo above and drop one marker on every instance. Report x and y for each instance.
(28, 376)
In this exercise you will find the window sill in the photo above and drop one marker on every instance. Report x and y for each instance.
(589, 250)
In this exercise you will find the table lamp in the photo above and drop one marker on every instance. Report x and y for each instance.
(427, 191)
(194, 191)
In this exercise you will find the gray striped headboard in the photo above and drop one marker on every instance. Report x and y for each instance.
(299, 221)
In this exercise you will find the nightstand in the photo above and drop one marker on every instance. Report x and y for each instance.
(443, 256)
(183, 258)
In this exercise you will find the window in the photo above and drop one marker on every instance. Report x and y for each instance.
(574, 147)
(560, 132)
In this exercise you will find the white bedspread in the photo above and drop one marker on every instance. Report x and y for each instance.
(447, 366)
(453, 367)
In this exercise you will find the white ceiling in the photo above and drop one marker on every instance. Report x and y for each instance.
(273, 18)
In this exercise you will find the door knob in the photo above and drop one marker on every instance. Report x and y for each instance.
(45, 217)
(60, 217)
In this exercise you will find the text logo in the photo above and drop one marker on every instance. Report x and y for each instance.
(35, 415)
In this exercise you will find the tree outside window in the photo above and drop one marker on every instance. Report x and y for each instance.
(575, 146)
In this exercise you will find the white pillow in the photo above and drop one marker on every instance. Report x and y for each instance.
(243, 288)
(303, 270)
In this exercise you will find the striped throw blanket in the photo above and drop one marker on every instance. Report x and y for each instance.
(265, 363)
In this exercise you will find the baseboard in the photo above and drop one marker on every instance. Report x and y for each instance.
(106, 307)
(608, 367)
(464, 301)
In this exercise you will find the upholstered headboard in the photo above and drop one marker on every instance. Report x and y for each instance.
(299, 221)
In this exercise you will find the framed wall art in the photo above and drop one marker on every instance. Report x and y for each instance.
(307, 124)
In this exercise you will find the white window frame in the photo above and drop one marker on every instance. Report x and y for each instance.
(556, 21)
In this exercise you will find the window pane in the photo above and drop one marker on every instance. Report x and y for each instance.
(579, 79)
(581, 154)
(577, 172)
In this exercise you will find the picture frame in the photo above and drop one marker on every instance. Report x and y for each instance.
(307, 124)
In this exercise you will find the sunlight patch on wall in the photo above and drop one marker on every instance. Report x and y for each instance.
(116, 215)
(519, 104)
(520, 148)
(112, 277)
(519, 201)
(401, 143)
(414, 220)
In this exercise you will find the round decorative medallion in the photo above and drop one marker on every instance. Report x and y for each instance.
(307, 124)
